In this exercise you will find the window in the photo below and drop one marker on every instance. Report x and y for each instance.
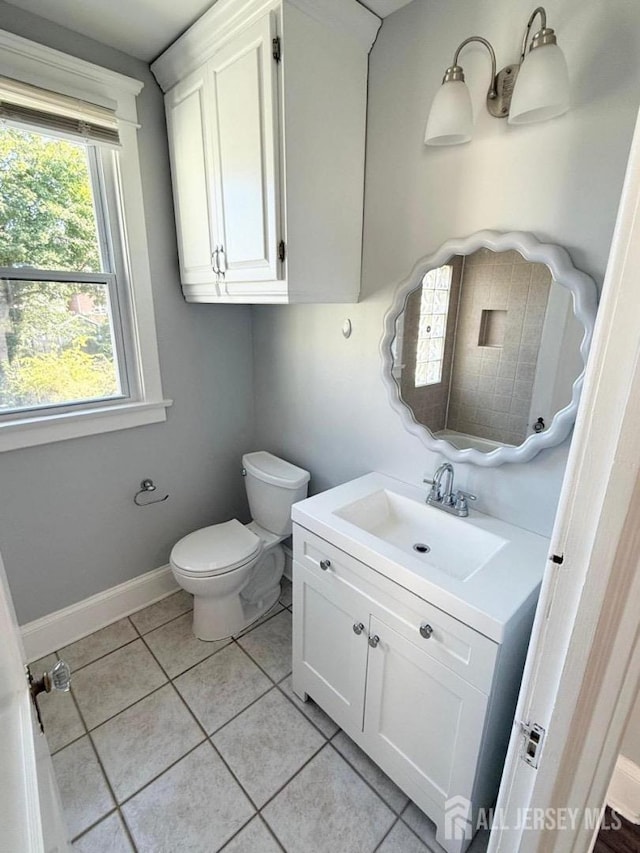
(432, 329)
(62, 341)
(78, 353)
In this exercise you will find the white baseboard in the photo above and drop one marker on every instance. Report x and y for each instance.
(624, 789)
(65, 626)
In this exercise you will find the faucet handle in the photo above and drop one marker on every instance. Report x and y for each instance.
(435, 493)
(461, 500)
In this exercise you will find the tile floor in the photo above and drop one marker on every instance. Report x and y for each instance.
(166, 743)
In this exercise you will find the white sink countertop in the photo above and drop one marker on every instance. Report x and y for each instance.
(478, 569)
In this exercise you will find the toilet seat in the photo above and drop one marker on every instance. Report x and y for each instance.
(215, 550)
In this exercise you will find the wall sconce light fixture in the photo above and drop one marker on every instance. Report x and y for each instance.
(535, 89)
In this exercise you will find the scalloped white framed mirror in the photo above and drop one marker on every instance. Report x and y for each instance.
(485, 346)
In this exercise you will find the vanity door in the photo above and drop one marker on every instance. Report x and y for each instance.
(330, 620)
(423, 723)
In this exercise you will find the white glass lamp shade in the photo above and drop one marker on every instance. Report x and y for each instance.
(542, 86)
(450, 121)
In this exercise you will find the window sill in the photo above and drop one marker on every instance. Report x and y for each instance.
(45, 430)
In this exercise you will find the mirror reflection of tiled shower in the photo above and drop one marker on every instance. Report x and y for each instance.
(489, 346)
(501, 316)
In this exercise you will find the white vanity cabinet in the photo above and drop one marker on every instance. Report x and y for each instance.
(266, 111)
(427, 697)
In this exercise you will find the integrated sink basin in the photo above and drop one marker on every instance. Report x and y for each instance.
(479, 569)
(422, 531)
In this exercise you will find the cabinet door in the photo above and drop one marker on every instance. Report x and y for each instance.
(190, 171)
(244, 127)
(329, 657)
(423, 723)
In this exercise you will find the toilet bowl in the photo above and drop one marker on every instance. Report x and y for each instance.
(234, 570)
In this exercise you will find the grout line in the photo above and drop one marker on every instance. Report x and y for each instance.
(128, 831)
(229, 641)
(271, 832)
(234, 777)
(290, 698)
(104, 776)
(100, 764)
(165, 623)
(236, 834)
(166, 770)
(386, 835)
(215, 731)
(237, 779)
(260, 667)
(60, 653)
(126, 708)
(261, 620)
(291, 778)
(110, 813)
(192, 666)
(409, 827)
(191, 712)
(161, 624)
(364, 779)
(246, 708)
(70, 743)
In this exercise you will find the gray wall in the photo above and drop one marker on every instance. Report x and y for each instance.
(319, 398)
(68, 526)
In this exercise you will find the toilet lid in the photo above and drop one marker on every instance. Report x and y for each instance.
(216, 549)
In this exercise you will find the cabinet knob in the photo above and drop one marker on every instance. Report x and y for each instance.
(358, 628)
(426, 630)
(325, 564)
(373, 641)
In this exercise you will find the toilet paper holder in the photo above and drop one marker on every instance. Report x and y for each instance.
(146, 486)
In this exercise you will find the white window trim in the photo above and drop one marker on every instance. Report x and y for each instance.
(42, 66)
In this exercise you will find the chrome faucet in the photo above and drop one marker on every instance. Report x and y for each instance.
(444, 497)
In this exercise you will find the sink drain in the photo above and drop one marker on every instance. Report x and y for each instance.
(421, 548)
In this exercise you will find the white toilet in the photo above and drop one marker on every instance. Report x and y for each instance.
(234, 570)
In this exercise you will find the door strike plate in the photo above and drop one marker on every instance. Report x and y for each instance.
(533, 735)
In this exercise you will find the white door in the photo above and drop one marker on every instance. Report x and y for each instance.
(423, 723)
(243, 109)
(330, 636)
(191, 173)
(583, 667)
(30, 812)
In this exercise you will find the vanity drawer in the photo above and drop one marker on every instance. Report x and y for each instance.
(454, 644)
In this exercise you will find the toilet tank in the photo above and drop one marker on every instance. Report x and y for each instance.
(273, 486)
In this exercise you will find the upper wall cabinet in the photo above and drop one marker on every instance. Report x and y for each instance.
(266, 115)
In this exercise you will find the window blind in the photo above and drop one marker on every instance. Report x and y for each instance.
(39, 109)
